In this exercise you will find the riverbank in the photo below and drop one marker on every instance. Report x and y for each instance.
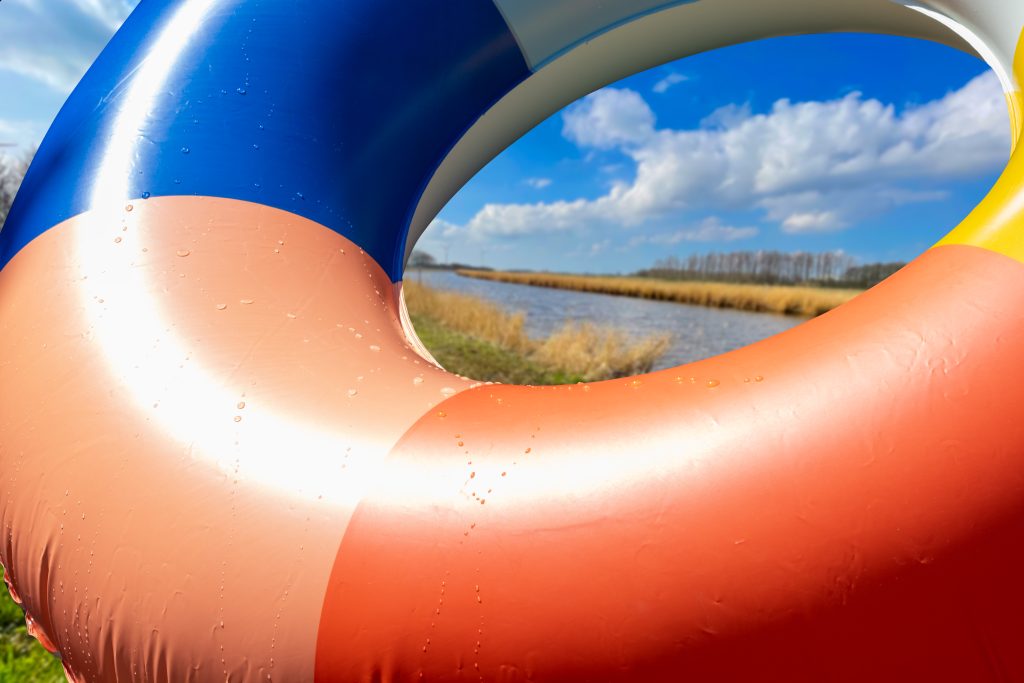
(475, 338)
(471, 357)
(783, 299)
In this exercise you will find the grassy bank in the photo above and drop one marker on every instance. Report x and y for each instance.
(472, 357)
(22, 659)
(478, 339)
(789, 300)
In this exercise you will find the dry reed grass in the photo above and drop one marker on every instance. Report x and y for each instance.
(469, 315)
(790, 300)
(586, 351)
(594, 352)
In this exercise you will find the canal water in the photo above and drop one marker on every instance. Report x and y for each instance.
(697, 332)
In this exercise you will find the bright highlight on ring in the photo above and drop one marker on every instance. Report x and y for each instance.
(223, 458)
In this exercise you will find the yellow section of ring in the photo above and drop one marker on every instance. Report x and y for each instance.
(997, 223)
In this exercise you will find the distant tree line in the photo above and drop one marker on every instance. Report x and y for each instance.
(426, 261)
(827, 268)
(870, 274)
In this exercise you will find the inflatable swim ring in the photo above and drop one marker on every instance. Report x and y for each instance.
(222, 458)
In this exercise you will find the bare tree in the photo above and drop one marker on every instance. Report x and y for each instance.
(421, 259)
(12, 171)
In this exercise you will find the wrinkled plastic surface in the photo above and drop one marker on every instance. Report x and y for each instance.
(222, 459)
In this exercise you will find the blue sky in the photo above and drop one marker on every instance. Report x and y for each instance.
(45, 47)
(870, 144)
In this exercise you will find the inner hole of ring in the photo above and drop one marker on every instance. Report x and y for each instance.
(828, 177)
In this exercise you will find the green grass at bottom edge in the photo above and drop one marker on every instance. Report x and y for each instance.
(22, 658)
(471, 357)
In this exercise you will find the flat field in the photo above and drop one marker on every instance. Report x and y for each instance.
(785, 299)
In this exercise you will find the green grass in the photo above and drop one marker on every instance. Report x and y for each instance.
(22, 658)
(471, 357)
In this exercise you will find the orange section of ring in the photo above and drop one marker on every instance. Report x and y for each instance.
(189, 376)
(840, 502)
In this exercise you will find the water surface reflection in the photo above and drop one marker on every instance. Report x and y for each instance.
(698, 332)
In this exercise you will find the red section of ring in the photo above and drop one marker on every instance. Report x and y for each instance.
(841, 502)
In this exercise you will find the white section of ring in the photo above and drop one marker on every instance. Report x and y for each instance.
(545, 28)
(999, 23)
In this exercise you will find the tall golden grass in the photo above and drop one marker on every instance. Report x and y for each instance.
(789, 300)
(595, 352)
(587, 351)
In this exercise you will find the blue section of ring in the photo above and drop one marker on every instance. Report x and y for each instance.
(339, 111)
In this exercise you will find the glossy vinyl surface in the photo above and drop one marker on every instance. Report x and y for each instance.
(222, 458)
(337, 112)
(205, 390)
(839, 502)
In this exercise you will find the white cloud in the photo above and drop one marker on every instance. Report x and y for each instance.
(839, 208)
(507, 220)
(609, 118)
(538, 183)
(727, 117)
(55, 41)
(444, 229)
(711, 229)
(809, 166)
(812, 221)
(668, 81)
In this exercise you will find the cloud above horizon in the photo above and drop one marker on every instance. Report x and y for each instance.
(674, 78)
(711, 229)
(54, 42)
(809, 167)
